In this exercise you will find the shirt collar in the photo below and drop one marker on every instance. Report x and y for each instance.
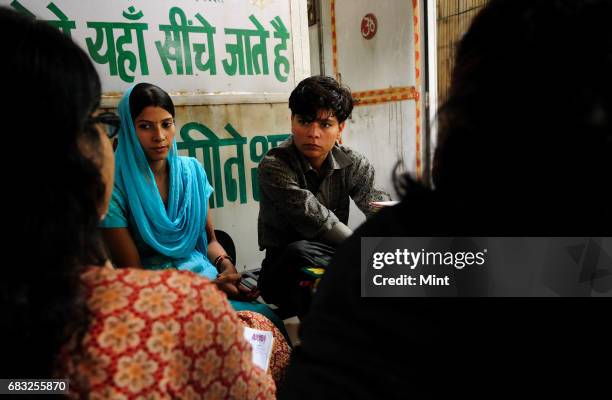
(338, 158)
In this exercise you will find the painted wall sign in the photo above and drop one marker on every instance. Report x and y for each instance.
(228, 175)
(184, 46)
(216, 58)
(369, 26)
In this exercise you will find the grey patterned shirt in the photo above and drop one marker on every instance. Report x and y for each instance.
(298, 203)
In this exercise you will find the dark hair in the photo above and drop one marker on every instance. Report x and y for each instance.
(146, 94)
(55, 192)
(320, 93)
(526, 132)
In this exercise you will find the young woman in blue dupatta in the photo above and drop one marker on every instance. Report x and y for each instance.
(158, 217)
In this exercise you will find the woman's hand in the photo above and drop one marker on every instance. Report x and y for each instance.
(229, 282)
(247, 294)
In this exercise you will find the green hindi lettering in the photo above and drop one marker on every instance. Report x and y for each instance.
(256, 157)
(116, 56)
(210, 147)
(230, 182)
(266, 143)
(20, 8)
(280, 32)
(177, 44)
(275, 140)
(229, 177)
(245, 58)
(63, 23)
(235, 188)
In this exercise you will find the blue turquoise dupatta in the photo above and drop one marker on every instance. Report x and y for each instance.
(179, 231)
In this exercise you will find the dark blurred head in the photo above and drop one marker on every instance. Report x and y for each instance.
(53, 191)
(320, 93)
(527, 128)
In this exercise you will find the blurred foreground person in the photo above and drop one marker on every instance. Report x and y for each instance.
(525, 149)
(65, 313)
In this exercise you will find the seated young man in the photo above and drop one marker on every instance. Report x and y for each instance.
(305, 185)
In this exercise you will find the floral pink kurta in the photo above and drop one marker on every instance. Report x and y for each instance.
(169, 334)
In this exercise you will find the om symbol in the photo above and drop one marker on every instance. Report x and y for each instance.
(369, 26)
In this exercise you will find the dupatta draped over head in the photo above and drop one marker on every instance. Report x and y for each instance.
(179, 231)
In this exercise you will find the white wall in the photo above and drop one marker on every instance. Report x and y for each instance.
(313, 33)
(386, 132)
(386, 60)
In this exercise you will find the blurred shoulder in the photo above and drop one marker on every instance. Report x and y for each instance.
(145, 291)
(168, 323)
